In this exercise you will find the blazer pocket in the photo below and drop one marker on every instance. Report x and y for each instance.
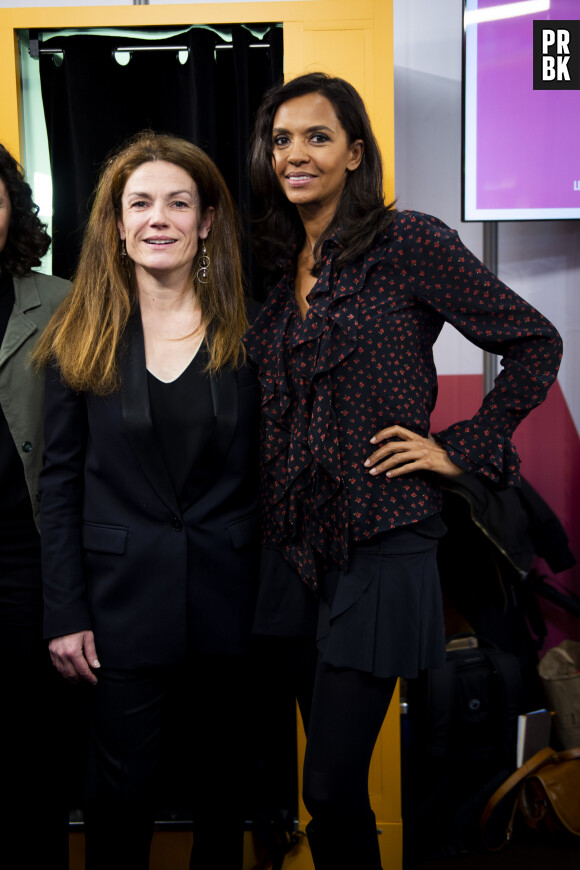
(104, 539)
(244, 532)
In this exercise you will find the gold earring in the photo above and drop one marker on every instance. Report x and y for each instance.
(204, 261)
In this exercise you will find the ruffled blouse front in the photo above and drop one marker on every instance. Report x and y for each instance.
(362, 360)
(304, 494)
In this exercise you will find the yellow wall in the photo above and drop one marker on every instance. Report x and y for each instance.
(349, 38)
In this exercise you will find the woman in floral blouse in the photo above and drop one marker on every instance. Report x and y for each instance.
(350, 471)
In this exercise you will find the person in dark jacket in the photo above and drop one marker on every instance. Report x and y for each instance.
(32, 805)
(149, 495)
(350, 471)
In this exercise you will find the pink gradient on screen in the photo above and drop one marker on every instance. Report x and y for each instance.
(528, 142)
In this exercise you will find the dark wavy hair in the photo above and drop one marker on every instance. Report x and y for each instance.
(361, 212)
(27, 240)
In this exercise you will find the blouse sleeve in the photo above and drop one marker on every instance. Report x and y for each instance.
(453, 282)
(61, 502)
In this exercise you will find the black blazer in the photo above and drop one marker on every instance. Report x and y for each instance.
(119, 554)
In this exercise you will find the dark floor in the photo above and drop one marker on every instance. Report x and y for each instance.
(527, 852)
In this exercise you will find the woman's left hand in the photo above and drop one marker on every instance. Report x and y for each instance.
(406, 453)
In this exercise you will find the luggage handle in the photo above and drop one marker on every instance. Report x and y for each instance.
(533, 764)
(530, 766)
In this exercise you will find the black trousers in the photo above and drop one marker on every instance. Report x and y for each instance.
(37, 708)
(193, 715)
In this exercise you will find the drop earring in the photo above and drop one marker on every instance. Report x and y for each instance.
(204, 261)
(123, 248)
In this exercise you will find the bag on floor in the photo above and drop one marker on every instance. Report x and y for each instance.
(560, 674)
(544, 792)
(463, 723)
(470, 707)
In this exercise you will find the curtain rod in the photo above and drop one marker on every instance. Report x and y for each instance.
(130, 49)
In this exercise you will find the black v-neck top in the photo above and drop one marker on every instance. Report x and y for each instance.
(183, 418)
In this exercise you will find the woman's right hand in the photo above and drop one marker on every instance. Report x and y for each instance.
(74, 656)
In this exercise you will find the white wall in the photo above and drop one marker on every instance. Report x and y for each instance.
(540, 260)
(427, 52)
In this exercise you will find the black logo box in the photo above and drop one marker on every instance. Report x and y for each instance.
(572, 29)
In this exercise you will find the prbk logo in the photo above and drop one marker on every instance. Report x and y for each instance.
(556, 55)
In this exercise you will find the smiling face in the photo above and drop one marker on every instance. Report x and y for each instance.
(161, 220)
(311, 153)
(5, 210)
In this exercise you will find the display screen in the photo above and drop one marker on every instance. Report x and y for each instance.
(521, 146)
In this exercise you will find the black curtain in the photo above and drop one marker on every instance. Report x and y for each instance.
(92, 104)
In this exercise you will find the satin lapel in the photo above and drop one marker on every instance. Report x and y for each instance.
(224, 390)
(137, 413)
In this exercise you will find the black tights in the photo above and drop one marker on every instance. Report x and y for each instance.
(347, 711)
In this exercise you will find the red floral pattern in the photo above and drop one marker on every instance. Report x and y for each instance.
(362, 360)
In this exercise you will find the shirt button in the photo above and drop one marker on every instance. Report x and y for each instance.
(27, 447)
(176, 524)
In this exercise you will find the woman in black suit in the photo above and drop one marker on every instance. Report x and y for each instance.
(148, 495)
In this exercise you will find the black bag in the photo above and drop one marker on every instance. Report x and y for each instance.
(463, 738)
(470, 707)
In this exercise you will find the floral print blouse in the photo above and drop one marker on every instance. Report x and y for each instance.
(362, 360)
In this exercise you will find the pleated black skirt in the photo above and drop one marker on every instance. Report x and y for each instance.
(383, 616)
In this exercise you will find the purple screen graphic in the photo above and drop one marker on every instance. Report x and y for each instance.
(527, 142)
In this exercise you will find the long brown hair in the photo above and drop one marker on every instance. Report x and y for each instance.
(84, 334)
